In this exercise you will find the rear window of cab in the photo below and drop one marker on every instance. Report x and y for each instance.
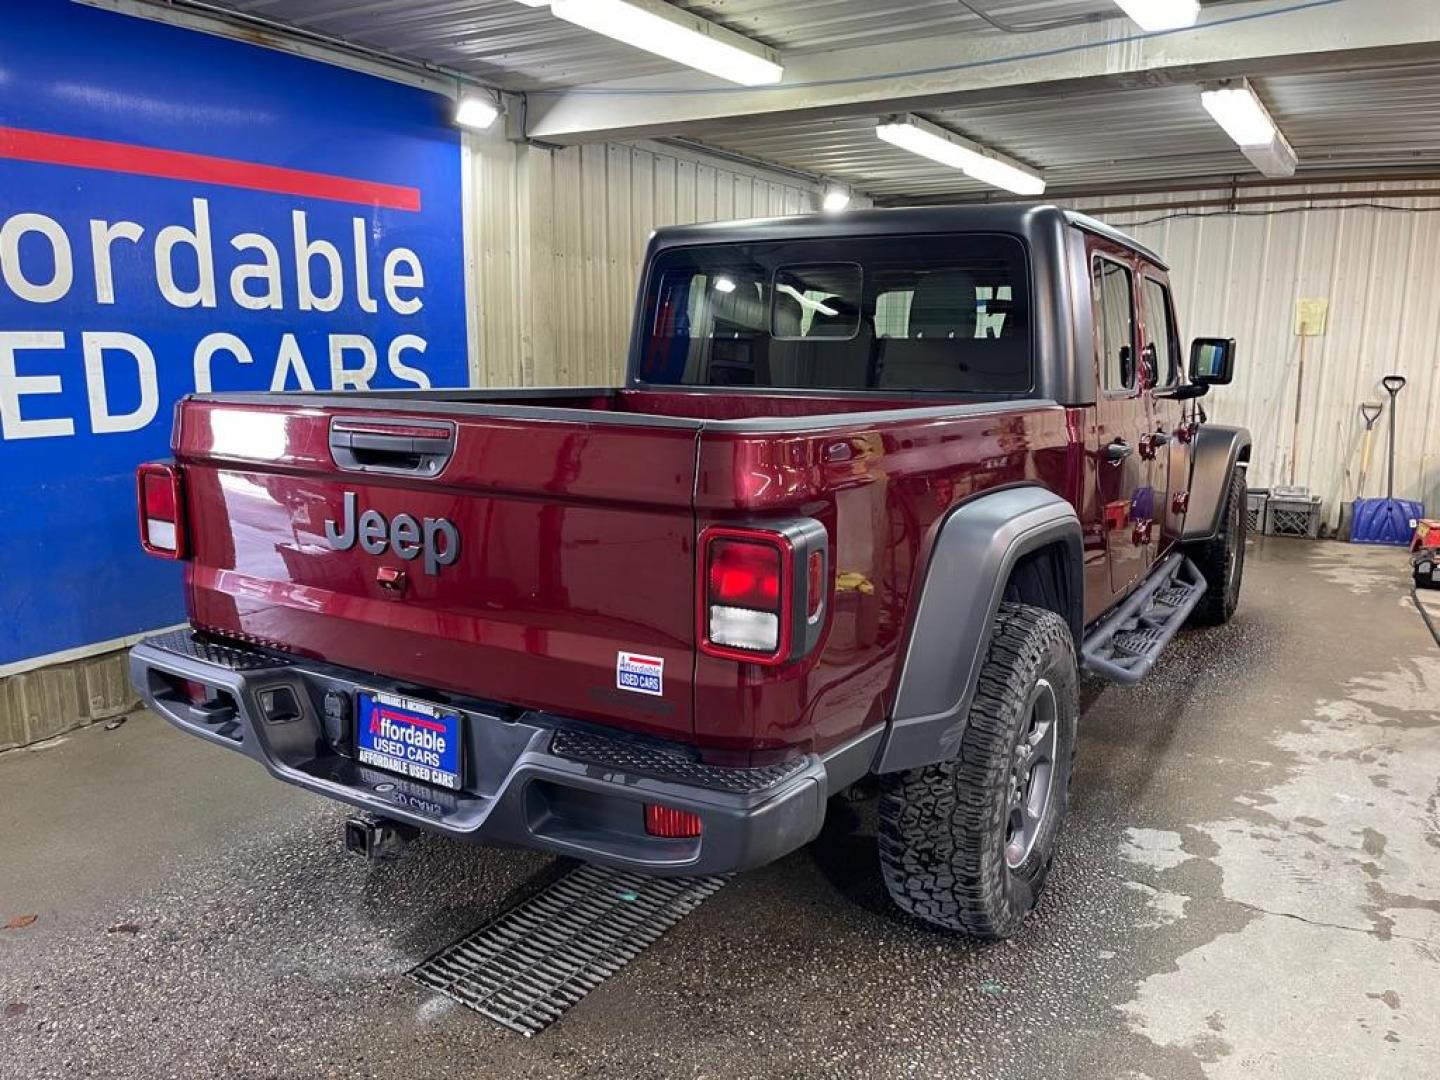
(937, 313)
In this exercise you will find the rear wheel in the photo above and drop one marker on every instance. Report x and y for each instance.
(1221, 559)
(967, 844)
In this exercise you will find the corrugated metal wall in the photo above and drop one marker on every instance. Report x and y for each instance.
(558, 236)
(1240, 275)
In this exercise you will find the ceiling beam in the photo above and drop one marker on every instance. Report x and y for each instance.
(1286, 201)
(1264, 37)
(1234, 182)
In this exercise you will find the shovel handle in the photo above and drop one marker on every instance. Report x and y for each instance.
(1370, 412)
(1393, 384)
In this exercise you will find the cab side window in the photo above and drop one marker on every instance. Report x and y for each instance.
(1113, 294)
(1160, 330)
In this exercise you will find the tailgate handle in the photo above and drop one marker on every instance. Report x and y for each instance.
(412, 447)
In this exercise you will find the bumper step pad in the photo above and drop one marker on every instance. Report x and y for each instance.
(529, 965)
(234, 657)
(1124, 647)
(637, 759)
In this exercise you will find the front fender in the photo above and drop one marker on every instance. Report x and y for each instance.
(1213, 456)
(978, 546)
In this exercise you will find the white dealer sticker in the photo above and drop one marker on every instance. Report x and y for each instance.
(641, 674)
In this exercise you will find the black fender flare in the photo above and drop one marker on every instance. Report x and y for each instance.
(978, 545)
(1213, 456)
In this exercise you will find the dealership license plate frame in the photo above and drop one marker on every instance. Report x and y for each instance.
(417, 714)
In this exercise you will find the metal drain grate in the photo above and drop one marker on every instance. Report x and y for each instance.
(529, 965)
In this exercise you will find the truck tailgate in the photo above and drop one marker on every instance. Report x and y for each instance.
(574, 543)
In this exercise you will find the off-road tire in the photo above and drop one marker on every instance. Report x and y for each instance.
(1213, 557)
(943, 827)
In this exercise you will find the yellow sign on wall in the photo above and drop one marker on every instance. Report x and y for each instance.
(1310, 314)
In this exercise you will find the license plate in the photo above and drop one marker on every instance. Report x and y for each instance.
(412, 738)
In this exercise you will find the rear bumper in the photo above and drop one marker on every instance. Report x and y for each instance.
(531, 780)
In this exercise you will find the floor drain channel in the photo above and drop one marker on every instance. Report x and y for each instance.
(529, 965)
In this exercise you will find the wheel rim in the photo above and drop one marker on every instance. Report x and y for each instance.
(1234, 550)
(1032, 775)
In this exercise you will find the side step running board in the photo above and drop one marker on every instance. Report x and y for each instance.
(1125, 645)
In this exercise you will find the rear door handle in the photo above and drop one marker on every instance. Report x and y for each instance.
(1118, 451)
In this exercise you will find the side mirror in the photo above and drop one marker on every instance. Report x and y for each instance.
(1212, 361)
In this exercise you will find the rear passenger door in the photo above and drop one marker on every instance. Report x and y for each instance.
(1160, 355)
(1124, 474)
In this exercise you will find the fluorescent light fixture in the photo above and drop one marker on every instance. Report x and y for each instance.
(979, 163)
(665, 30)
(1238, 109)
(836, 199)
(1275, 159)
(536, 3)
(475, 111)
(724, 284)
(1152, 15)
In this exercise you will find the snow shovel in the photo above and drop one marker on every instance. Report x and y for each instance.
(1388, 520)
(1369, 412)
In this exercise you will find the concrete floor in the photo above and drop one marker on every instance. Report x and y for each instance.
(1249, 885)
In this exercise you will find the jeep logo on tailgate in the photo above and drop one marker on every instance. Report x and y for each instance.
(436, 538)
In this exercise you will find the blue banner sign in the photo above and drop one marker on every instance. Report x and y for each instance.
(180, 213)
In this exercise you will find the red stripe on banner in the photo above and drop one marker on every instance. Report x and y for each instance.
(416, 720)
(48, 149)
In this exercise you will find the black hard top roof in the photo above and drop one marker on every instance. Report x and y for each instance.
(1020, 218)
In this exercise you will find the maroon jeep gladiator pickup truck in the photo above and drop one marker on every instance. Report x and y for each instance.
(876, 488)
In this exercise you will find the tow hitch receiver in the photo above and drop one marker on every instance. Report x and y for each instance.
(377, 838)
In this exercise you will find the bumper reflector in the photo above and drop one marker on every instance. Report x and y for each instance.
(197, 692)
(671, 823)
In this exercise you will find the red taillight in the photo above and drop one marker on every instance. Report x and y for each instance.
(746, 594)
(745, 574)
(762, 591)
(162, 524)
(671, 823)
(159, 496)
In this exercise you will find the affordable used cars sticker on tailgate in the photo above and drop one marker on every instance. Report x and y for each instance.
(642, 674)
(412, 738)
